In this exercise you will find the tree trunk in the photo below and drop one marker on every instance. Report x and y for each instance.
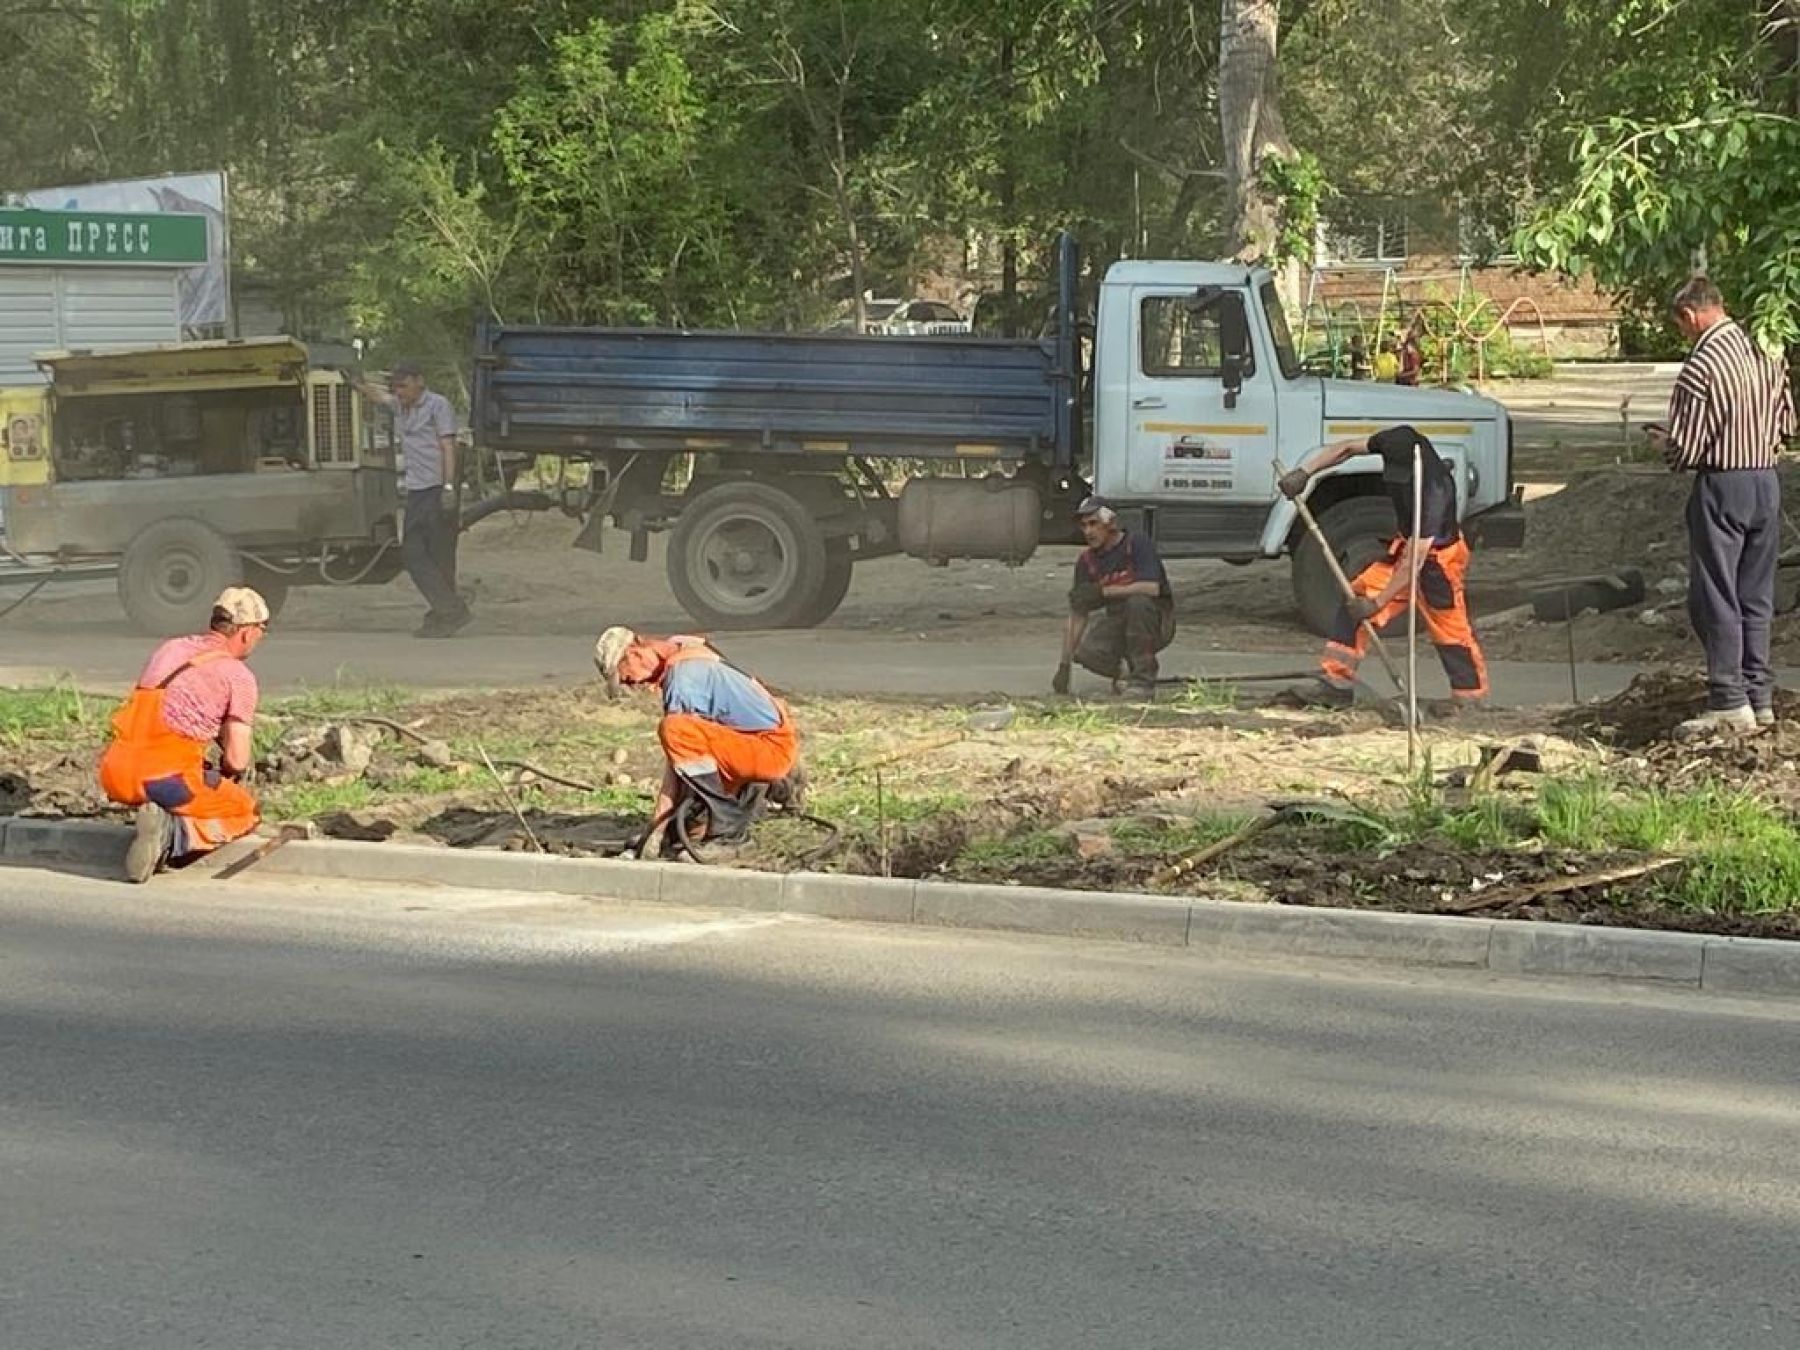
(1249, 121)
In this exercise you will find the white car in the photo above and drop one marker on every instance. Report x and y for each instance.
(925, 318)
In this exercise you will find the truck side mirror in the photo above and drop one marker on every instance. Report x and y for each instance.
(1234, 347)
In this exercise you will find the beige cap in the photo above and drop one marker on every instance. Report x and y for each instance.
(242, 606)
(609, 650)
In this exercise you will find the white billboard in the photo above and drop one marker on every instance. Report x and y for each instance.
(205, 290)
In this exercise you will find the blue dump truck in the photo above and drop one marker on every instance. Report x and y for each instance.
(777, 462)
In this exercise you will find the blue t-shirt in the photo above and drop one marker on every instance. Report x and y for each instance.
(719, 693)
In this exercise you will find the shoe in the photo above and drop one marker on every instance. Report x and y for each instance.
(149, 847)
(1739, 721)
(443, 626)
(1323, 693)
(1140, 691)
(1765, 717)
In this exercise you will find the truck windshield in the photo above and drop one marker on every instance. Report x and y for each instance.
(1285, 355)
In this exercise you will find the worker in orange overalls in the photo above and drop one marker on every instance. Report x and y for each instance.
(1382, 590)
(726, 740)
(194, 693)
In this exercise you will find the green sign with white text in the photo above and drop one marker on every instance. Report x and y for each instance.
(114, 239)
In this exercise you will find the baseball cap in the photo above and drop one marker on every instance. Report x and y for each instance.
(242, 606)
(1094, 506)
(406, 370)
(609, 650)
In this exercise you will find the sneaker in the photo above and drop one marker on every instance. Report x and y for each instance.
(149, 844)
(1765, 717)
(1718, 722)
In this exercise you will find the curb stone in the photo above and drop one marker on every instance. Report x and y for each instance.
(1212, 928)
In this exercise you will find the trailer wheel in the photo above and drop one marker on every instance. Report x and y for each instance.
(171, 574)
(838, 568)
(747, 555)
(1360, 529)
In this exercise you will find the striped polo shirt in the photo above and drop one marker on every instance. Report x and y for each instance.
(1732, 407)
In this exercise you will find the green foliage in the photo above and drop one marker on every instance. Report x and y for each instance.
(1296, 185)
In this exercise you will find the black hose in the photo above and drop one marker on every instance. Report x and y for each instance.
(42, 582)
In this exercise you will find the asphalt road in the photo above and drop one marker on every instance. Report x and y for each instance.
(247, 1115)
(821, 662)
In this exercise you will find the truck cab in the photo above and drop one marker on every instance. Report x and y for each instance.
(1199, 393)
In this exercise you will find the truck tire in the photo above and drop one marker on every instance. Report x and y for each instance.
(747, 555)
(839, 565)
(171, 574)
(1360, 530)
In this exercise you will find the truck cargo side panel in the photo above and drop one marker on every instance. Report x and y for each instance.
(573, 390)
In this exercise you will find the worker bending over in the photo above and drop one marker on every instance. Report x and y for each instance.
(726, 739)
(1121, 610)
(194, 693)
(1382, 588)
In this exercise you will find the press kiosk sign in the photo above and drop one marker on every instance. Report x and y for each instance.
(73, 238)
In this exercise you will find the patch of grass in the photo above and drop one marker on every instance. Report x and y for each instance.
(1489, 822)
(1215, 696)
(1008, 852)
(1077, 716)
(30, 713)
(1574, 812)
(304, 801)
(1138, 838)
(340, 701)
(856, 801)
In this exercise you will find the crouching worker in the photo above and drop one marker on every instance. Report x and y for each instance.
(1382, 589)
(727, 741)
(195, 693)
(1121, 610)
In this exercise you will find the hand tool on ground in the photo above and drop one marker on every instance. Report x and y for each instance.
(1344, 586)
(1413, 561)
(285, 835)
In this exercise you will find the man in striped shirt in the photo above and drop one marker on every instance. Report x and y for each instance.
(1730, 415)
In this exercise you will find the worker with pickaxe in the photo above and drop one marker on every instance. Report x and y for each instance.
(1382, 591)
(729, 744)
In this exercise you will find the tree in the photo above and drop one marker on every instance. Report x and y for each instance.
(1664, 174)
(1250, 122)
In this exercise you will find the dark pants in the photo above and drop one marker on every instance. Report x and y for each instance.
(1734, 538)
(1132, 630)
(428, 547)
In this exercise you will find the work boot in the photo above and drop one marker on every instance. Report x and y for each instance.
(1738, 721)
(1141, 691)
(448, 626)
(1322, 693)
(151, 838)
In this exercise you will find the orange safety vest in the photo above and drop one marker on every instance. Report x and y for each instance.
(143, 747)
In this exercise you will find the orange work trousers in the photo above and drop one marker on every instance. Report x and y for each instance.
(1443, 612)
(147, 762)
(696, 746)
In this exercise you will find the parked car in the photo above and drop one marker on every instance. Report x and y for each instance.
(925, 318)
(876, 314)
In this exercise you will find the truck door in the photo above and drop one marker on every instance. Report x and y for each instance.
(1202, 430)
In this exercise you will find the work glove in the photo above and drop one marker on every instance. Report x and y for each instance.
(1363, 608)
(1293, 483)
(1060, 683)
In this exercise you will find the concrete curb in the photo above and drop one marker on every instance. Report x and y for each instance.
(1213, 928)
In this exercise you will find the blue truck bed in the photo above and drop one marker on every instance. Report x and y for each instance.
(579, 391)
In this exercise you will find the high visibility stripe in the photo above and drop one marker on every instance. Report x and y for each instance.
(1208, 428)
(1423, 428)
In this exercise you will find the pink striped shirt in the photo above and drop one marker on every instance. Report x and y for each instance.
(202, 699)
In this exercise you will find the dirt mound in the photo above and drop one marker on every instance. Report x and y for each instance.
(1649, 709)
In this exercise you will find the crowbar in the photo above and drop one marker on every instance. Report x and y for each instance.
(286, 834)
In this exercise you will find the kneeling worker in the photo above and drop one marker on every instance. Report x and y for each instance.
(1121, 609)
(195, 692)
(725, 738)
(1382, 591)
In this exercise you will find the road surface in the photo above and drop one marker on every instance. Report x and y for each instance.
(240, 1114)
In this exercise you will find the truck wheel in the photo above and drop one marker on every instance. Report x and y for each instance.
(171, 574)
(1360, 530)
(747, 555)
(838, 567)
